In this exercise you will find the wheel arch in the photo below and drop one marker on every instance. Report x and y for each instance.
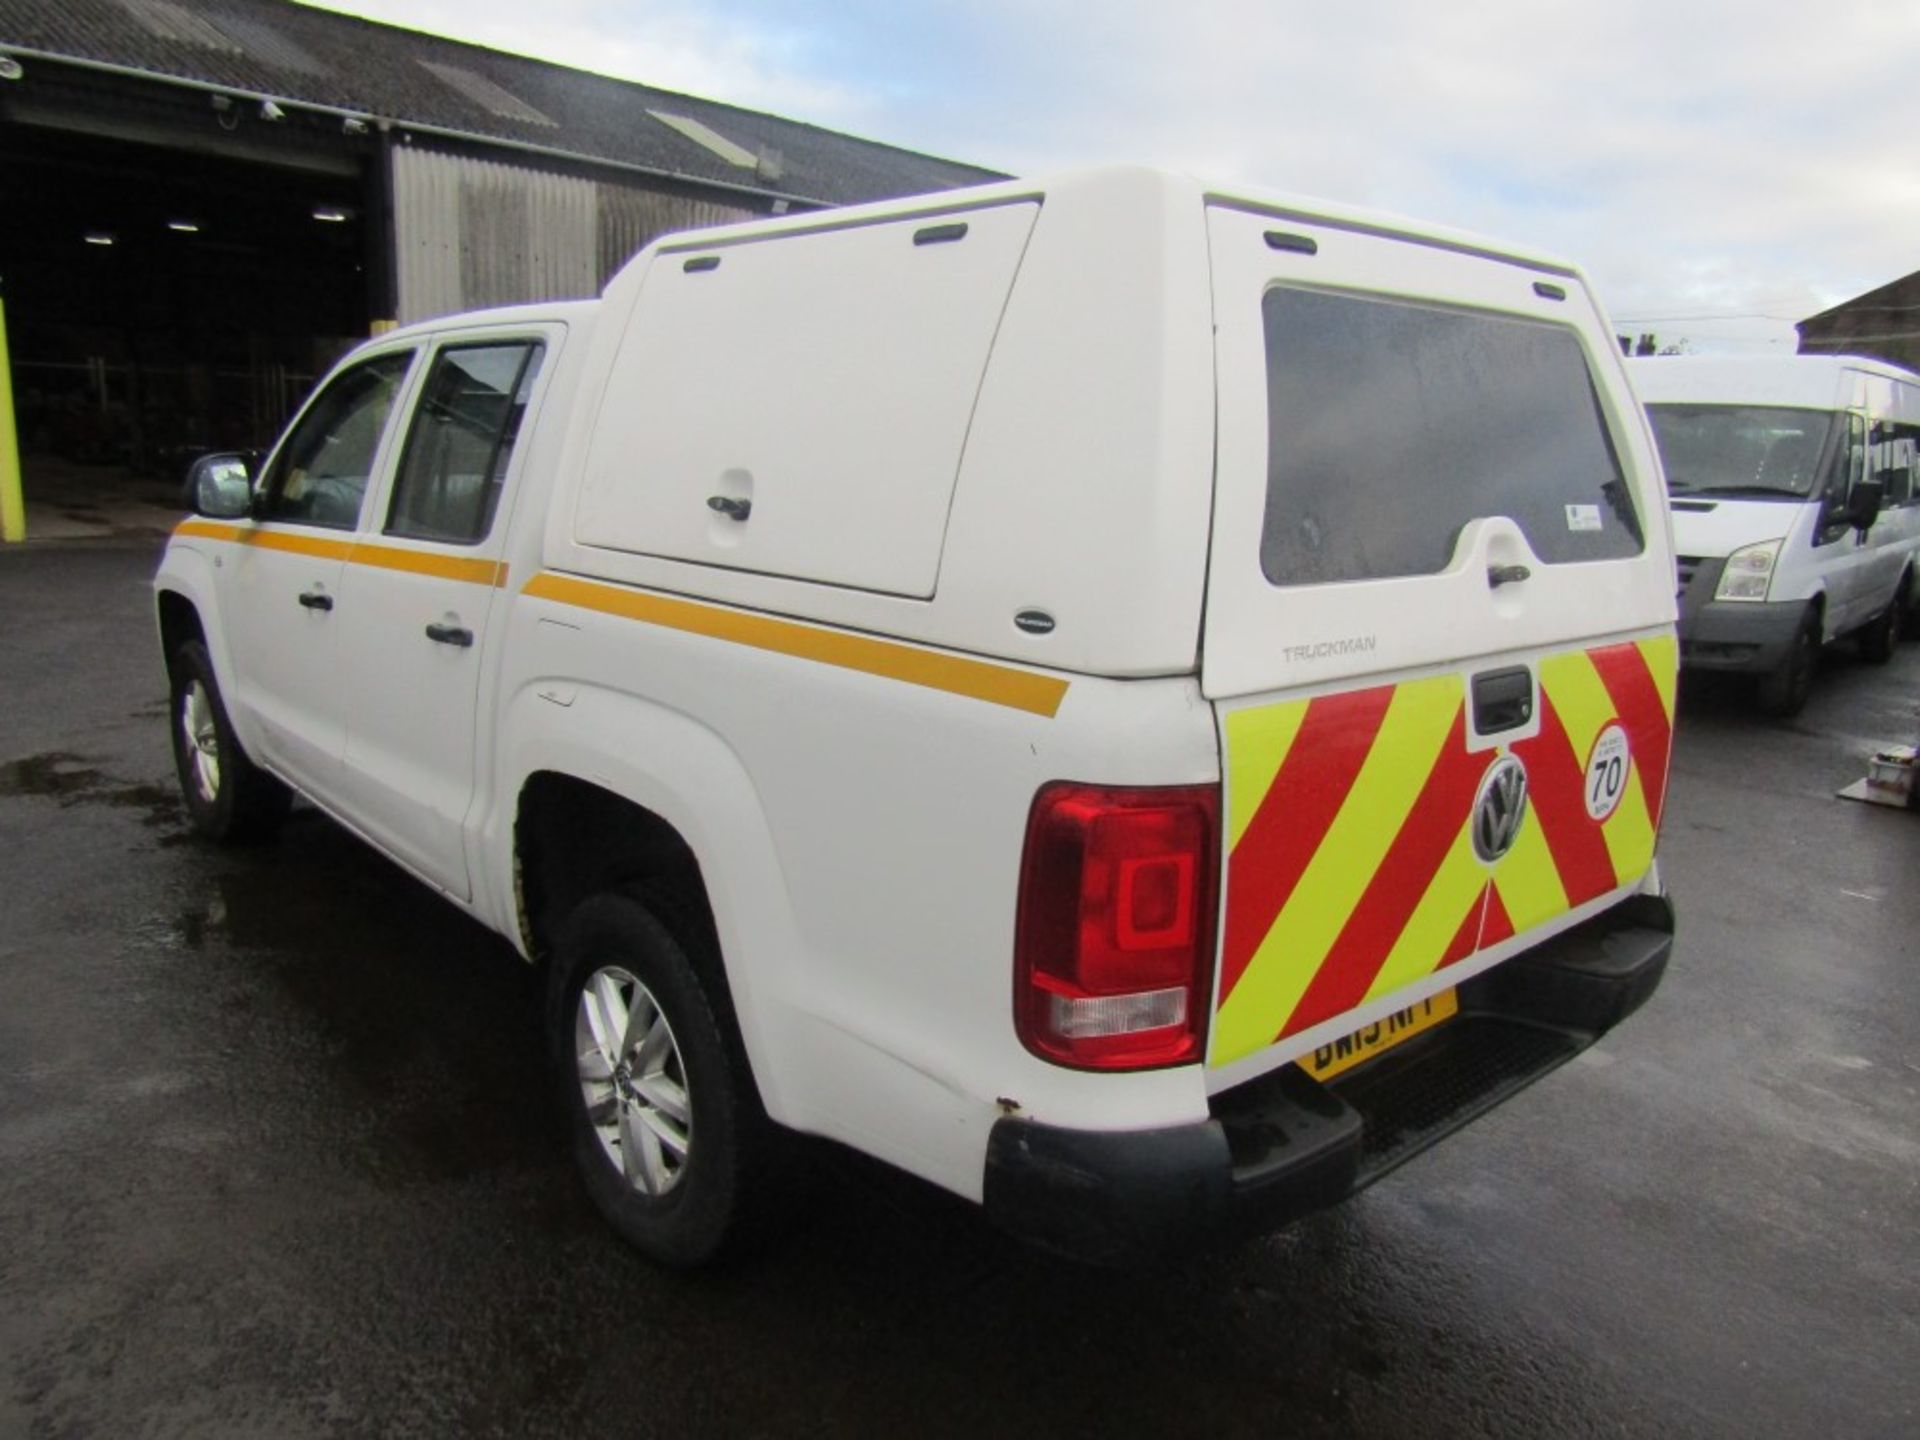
(185, 609)
(179, 621)
(683, 825)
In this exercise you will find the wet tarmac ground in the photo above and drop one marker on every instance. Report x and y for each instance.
(276, 1156)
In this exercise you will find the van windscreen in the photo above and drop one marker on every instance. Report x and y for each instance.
(1391, 425)
(1748, 450)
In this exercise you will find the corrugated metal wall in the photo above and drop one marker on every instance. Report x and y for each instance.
(630, 217)
(470, 233)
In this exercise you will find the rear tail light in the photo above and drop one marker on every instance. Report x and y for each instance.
(1113, 953)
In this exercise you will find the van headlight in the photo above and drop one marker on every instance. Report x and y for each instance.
(1749, 571)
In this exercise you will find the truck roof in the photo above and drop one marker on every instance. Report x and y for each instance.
(547, 311)
(1795, 380)
(1121, 188)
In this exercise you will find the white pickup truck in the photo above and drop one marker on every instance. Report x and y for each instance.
(1145, 706)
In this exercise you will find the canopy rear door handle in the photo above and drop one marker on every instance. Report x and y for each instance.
(1502, 699)
(450, 635)
(1498, 575)
(730, 507)
(316, 599)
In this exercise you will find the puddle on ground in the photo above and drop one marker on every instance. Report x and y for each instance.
(71, 779)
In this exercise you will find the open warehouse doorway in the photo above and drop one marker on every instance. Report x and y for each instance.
(161, 303)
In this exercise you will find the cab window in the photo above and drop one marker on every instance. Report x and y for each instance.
(461, 442)
(321, 472)
(1848, 468)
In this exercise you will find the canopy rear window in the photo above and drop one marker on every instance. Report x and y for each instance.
(1392, 425)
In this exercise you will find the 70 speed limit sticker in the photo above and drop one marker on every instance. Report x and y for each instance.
(1607, 768)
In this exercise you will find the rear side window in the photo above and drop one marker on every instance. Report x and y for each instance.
(1393, 425)
(462, 441)
(1895, 448)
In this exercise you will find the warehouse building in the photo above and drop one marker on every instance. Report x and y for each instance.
(205, 203)
(1884, 323)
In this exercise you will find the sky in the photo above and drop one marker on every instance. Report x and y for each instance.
(1721, 168)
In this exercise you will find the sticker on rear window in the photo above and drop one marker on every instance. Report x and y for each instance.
(1607, 772)
(1583, 517)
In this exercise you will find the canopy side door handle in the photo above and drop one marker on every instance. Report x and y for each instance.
(316, 600)
(450, 635)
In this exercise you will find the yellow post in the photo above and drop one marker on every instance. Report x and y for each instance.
(13, 507)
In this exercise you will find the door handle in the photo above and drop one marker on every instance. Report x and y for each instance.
(450, 635)
(316, 599)
(1498, 575)
(728, 506)
(1502, 699)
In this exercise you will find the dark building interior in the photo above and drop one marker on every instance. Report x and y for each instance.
(162, 302)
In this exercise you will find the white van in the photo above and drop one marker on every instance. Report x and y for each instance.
(1795, 510)
(1143, 705)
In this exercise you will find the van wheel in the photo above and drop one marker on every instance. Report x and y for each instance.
(229, 799)
(1880, 637)
(1784, 691)
(664, 1124)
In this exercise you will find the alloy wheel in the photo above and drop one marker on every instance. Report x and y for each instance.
(633, 1080)
(202, 735)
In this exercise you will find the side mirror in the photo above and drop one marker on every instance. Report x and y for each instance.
(220, 487)
(1863, 504)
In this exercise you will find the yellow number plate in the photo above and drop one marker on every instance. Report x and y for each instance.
(1383, 1034)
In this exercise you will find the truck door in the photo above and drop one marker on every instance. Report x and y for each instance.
(1842, 555)
(1439, 625)
(418, 598)
(280, 583)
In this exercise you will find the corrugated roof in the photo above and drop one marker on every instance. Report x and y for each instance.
(292, 53)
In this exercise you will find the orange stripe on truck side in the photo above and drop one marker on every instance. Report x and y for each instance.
(319, 546)
(465, 568)
(933, 669)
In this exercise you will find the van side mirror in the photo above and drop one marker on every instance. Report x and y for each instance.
(1864, 503)
(220, 486)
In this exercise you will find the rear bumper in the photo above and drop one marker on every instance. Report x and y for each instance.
(1286, 1145)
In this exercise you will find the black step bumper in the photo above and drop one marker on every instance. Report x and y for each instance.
(1285, 1145)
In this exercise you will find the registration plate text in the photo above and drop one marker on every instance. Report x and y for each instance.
(1383, 1034)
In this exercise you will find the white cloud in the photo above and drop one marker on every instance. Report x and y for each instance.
(1750, 158)
(1696, 155)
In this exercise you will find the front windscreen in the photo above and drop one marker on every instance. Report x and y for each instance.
(1392, 425)
(1741, 450)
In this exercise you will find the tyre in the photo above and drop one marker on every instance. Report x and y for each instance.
(662, 1115)
(1880, 637)
(1784, 691)
(229, 799)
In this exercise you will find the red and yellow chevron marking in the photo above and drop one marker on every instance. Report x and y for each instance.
(1351, 870)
